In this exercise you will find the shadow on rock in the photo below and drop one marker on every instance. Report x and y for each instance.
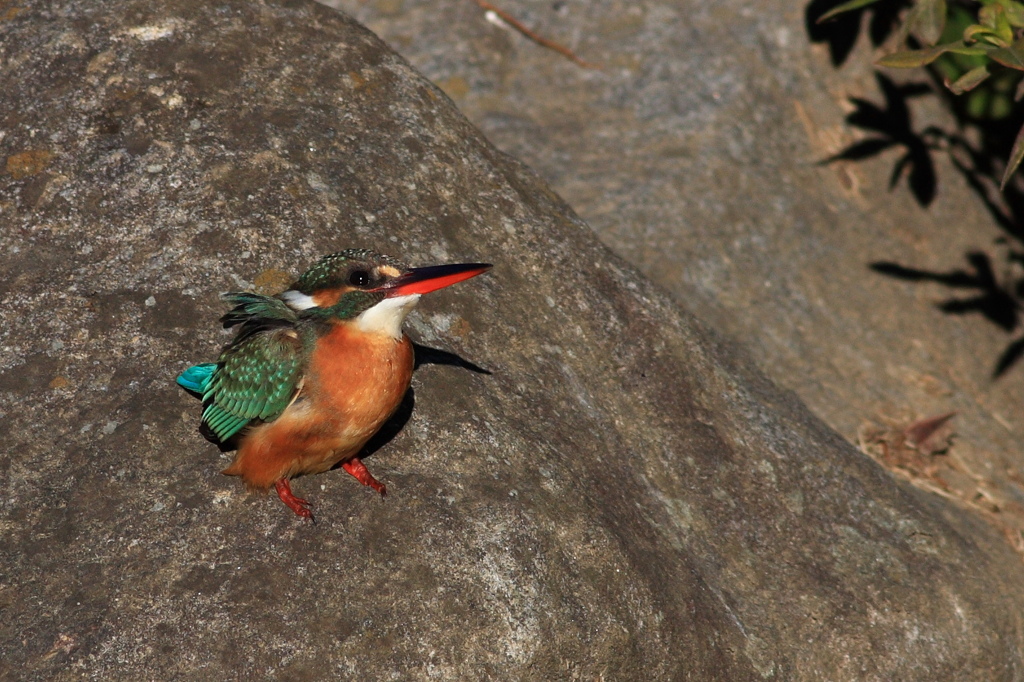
(998, 301)
(841, 34)
(425, 355)
(986, 123)
(891, 126)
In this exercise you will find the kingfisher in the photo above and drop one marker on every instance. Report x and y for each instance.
(314, 372)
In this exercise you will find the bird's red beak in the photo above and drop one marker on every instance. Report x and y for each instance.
(425, 280)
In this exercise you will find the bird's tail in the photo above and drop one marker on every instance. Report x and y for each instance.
(195, 378)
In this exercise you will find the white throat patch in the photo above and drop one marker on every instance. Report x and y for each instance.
(296, 300)
(387, 316)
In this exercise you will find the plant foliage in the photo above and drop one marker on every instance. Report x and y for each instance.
(967, 45)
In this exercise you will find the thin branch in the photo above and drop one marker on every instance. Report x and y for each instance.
(540, 40)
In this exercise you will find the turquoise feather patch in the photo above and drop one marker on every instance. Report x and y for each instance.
(195, 378)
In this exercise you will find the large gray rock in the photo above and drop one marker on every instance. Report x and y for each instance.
(623, 496)
(695, 154)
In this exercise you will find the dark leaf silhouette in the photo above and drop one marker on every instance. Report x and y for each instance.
(895, 128)
(987, 124)
(922, 175)
(897, 170)
(1009, 357)
(842, 31)
(995, 307)
(957, 278)
(996, 301)
(863, 149)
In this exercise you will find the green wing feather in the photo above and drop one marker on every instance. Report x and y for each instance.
(256, 379)
(255, 310)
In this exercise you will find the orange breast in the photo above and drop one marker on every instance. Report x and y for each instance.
(354, 383)
(359, 378)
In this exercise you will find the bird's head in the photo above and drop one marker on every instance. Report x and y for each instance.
(375, 291)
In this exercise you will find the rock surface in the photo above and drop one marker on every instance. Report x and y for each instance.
(695, 154)
(624, 496)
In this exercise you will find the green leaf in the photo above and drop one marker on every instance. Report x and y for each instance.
(978, 32)
(927, 20)
(1003, 28)
(968, 81)
(845, 7)
(1015, 158)
(970, 50)
(1012, 56)
(909, 59)
(987, 15)
(1014, 13)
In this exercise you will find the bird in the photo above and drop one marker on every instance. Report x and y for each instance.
(314, 372)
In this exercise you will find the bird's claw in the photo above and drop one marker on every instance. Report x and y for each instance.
(298, 505)
(358, 470)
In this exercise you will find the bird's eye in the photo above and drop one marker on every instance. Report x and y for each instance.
(359, 278)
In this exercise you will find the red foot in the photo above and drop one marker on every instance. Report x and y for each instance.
(296, 504)
(359, 471)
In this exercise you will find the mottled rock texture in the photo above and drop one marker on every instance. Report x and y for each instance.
(624, 495)
(696, 154)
